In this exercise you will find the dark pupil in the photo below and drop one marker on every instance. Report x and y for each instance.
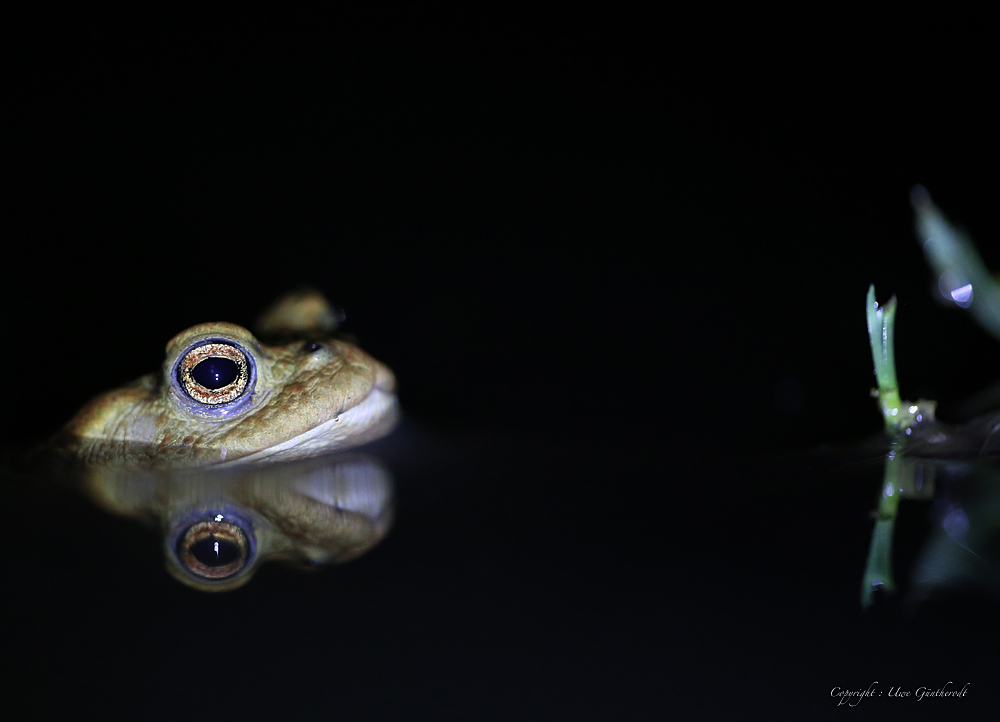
(214, 373)
(214, 551)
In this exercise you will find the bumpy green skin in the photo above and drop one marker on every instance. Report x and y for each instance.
(146, 424)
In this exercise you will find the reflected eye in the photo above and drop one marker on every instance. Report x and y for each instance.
(215, 373)
(213, 549)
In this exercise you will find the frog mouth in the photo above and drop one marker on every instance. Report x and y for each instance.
(372, 419)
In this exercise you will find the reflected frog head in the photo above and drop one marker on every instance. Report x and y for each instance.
(192, 448)
(224, 397)
(218, 527)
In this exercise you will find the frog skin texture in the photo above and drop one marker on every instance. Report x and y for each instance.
(309, 395)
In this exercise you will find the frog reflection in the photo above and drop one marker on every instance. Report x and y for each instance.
(194, 447)
(218, 526)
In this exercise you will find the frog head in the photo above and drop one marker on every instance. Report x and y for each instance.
(223, 397)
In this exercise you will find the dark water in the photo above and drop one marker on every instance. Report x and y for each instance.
(520, 580)
(619, 274)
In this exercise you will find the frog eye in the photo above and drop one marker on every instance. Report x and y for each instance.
(213, 549)
(215, 373)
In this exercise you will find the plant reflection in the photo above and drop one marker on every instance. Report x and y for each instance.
(962, 493)
(962, 552)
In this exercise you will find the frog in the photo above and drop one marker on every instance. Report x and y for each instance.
(222, 397)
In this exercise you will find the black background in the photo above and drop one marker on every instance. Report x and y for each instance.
(618, 267)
